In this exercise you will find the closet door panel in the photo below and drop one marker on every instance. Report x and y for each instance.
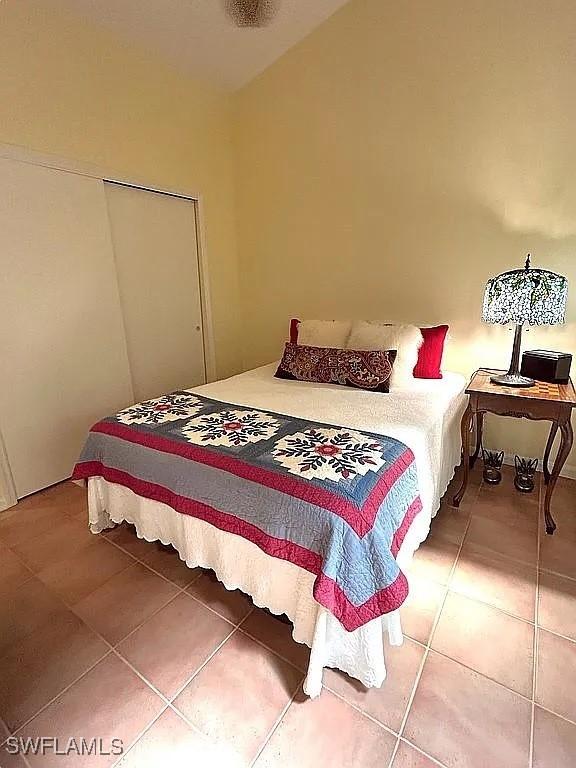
(63, 354)
(154, 239)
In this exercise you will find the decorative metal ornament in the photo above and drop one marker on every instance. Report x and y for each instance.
(492, 466)
(251, 13)
(524, 296)
(525, 469)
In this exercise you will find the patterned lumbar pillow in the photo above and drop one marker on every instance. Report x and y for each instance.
(407, 339)
(366, 369)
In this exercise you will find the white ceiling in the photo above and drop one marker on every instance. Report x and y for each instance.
(197, 35)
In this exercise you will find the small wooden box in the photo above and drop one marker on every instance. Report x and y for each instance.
(544, 365)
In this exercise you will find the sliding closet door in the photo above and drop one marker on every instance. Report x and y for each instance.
(154, 238)
(63, 353)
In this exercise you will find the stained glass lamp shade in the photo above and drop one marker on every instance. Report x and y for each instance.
(532, 296)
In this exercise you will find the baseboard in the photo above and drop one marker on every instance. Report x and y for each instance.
(5, 504)
(7, 491)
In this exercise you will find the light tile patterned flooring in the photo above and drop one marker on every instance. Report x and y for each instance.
(111, 636)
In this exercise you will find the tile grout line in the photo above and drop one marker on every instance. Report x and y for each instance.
(415, 685)
(112, 648)
(426, 647)
(167, 603)
(556, 634)
(139, 674)
(533, 624)
(85, 672)
(178, 587)
(170, 700)
(512, 558)
(268, 648)
(556, 714)
(70, 606)
(431, 635)
(275, 726)
(536, 639)
(539, 570)
(184, 590)
(60, 693)
(360, 711)
(166, 700)
(142, 562)
(475, 599)
(4, 741)
(76, 679)
(188, 680)
(401, 737)
(172, 707)
(140, 735)
(482, 675)
(558, 573)
(432, 759)
(432, 630)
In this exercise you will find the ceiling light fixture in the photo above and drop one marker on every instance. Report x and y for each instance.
(251, 13)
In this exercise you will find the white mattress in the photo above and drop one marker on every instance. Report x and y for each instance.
(426, 417)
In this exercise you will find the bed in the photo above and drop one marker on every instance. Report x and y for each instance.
(424, 417)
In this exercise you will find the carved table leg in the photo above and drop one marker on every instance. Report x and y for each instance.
(567, 437)
(465, 433)
(479, 431)
(549, 444)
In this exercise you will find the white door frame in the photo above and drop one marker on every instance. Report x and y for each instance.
(24, 155)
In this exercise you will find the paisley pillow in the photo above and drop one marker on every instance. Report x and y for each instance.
(406, 339)
(369, 369)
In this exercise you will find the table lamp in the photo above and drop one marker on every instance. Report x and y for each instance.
(532, 296)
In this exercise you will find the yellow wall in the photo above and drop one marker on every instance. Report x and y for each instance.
(397, 158)
(67, 88)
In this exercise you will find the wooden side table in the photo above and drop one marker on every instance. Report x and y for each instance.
(543, 401)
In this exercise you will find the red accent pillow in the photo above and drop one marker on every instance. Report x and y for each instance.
(430, 353)
(294, 323)
(325, 365)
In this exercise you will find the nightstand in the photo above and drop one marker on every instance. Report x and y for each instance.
(543, 401)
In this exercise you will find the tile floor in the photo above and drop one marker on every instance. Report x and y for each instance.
(113, 637)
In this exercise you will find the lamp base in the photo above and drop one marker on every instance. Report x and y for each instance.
(512, 380)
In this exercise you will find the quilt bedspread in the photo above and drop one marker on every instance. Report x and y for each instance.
(335, 501)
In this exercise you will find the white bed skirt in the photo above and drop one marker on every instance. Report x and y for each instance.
(278, 585)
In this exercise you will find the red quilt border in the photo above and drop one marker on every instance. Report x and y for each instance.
(360, 520)
(326, 591)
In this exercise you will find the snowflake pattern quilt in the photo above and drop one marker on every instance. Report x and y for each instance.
(335, 501)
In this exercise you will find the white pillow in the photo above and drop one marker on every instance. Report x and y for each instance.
(324, 333)
(406, 339)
